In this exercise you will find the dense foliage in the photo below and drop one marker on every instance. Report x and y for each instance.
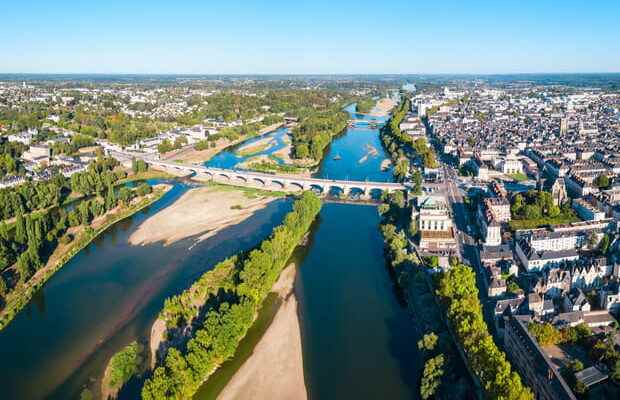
(10, 153)
(28, 241)
(124, 364)
(398, 143)
(394, 140)
(316, 131)
(457, 288)
(230, 306)
(536, 208)
(547, 334)
(364, 105)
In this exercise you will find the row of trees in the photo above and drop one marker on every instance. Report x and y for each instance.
(230, 311)
(393, 139)
(438, 354)
(425, 152)
(457, 289)
(316, 131)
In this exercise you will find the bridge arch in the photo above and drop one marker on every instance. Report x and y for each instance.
(297, 185)
(223, 175)
(356, 192)
(241, 178)
(278, 183)
(335, 191)
(259, 181)
(317, 188)
(375, 193)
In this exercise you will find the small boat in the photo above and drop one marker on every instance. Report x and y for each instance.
(337, 157)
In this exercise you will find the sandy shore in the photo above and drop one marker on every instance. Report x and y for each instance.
(201, 211)
(384, 106)
(258, 146)
(275, 369)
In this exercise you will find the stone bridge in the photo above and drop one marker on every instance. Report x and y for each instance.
(277, 182)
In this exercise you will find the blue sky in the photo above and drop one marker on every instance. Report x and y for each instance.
(337, 36)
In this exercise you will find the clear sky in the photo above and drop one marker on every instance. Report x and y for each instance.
(320, 36)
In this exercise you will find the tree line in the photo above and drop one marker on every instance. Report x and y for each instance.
(440, 356)
(231, 304)
(457, 289)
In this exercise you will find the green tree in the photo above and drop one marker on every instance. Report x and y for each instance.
(517, 204)
(20, 229)
(428, 342)
(602, 181)
(302, 151)
(532, 211)
(603, 245)
(110, 198)
(615, 375)
(545, 333)
(402, 169)
(431, 377)
(125, 364)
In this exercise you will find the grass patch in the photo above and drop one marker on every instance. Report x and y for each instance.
(540, 222)
(249, 192)
(268, 167)
(519, 177)
(251, 150)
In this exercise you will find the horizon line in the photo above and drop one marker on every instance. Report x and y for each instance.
(319, 74)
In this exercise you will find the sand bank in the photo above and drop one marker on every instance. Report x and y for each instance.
(201, 211)
(190, 155)
(275, 369)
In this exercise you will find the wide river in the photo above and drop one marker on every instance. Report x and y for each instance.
(358, 341)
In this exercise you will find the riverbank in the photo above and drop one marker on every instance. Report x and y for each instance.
(201, 213)
(275, 368)
(64, 252)
(191, 155)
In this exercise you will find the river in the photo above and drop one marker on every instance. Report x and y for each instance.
(105, 297)
(358, 341)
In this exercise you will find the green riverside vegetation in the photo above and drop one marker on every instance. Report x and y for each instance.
(124, 365)
(457, 289)
(398, 143)
(364, 105)
(229, 297)
(315, 132)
